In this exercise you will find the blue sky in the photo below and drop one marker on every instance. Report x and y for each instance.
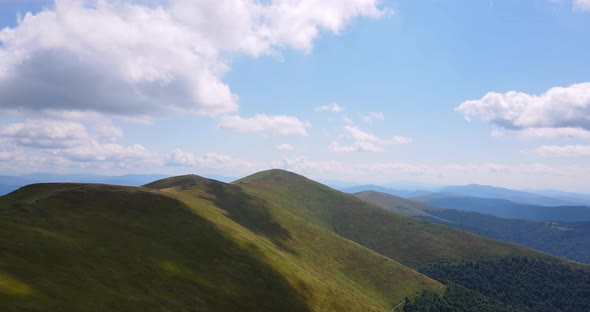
(442, 92)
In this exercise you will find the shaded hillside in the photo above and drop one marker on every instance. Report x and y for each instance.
(507, 209)
(335, 273)
(408, 240)
(69, 247)
(562, 239)
(198, 245)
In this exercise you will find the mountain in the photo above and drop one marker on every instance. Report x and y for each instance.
(268, 242)
(562, 239)
(486, 191)
(195, 245)
(437, 250)
(410, 241)
(5, 189)
(11, 183)
(376, 188)
(395, 204)
(507, 209)
(577, 198)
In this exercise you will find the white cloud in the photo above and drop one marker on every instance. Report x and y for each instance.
(371, 116)
(45, 133)
(563, 151)
(559, 107)
(332, 107)
(213, 161)
(582, 5)
(279, 124)
(285, 147)
(357, 146)
(52, 142)
(365, 142)
(556, 132)
(94, 151)
(130, 59)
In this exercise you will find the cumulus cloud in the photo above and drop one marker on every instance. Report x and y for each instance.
(45, 133)
(556, 132)
(64, 142)
(94, 151)
(582, 5)
(563, 151)
(278, 124)
(130, 59)
(213, 161)
(285, 147)
(371, 116)
(365, 142)
(558, 108)
(332, 107)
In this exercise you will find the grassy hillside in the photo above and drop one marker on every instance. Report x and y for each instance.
(196, 245)
(333, 273)
(395, 204)
(69, 247)
(410, 241)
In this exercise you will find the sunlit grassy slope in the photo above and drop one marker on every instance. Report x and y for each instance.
(410, 241)
(194, 245)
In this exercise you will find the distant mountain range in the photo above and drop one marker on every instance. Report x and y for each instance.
(563, 239)
(485, 191)
(507, 209)
(539, 198)
(387, 190)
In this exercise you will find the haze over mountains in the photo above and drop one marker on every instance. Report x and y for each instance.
(540, 198)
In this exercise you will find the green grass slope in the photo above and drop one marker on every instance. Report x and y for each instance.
(184, 181)
(407, 240)
(195, 245)
(68, 247)
(395, 204)
(332, 273)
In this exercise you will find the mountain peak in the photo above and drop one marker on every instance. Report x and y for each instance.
(273, 174)
(183, 181)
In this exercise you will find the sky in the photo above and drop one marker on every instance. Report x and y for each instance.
(356, 91)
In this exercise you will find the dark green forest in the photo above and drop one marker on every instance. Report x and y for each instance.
(526, 284)
(455, 299)
(562, 239)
